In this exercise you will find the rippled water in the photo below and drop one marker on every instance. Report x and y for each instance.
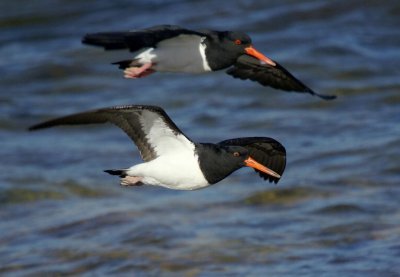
(335, 211)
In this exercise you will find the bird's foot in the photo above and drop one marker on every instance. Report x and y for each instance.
(131, 181)
(138, 72)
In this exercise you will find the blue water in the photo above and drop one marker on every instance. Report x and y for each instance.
(336, 211)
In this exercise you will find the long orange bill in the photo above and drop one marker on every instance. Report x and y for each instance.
(254, 164)
(253, 52)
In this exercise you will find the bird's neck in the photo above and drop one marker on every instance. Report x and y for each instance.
(217, 57)
(214, 162)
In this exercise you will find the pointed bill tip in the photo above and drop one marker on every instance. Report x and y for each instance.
(250, 162)
(253, 52)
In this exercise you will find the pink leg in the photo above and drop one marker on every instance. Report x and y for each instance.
(131, 181)
(138, 72)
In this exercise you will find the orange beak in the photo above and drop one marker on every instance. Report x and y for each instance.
(253, 52)
(254, 164)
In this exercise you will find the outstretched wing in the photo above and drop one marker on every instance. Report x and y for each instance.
(266, 151)
(136, 39)
(150, 128)
(247, 67)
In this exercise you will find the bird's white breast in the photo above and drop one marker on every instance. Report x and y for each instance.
(184, 53)
(174, 170)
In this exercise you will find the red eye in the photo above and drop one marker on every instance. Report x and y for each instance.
(238, 42)
(236, 154)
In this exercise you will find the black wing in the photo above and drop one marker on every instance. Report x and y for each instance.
(141, 123)
(136, 39)
(247, 67)
(266, 151)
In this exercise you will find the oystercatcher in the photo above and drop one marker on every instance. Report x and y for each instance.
(172, 160)
(169, 48)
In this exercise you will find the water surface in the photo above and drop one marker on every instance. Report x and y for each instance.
(335, 211)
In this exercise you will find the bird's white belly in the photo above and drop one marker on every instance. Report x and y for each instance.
(184, 53)
(171, 171)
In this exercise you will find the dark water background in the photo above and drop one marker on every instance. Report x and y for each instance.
(336, 211)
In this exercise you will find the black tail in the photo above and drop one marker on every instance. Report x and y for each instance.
(118, 172)
(126, 63)
(108, 40)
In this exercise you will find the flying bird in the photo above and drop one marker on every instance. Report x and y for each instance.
(170, 48)
(171, 159)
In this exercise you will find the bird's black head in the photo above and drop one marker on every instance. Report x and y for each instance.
(218, 162)
(238, 39)
(224, 48)
(266, 155)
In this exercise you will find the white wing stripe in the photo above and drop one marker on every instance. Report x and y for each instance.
(161, 137)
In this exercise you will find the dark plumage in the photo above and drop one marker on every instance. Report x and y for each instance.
(171, 159)
(168, 48)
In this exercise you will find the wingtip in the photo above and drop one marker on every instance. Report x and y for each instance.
(322, 96)
(84, 39)
(39, 126)
(89, 39)
(33, 128)
(327, 97)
